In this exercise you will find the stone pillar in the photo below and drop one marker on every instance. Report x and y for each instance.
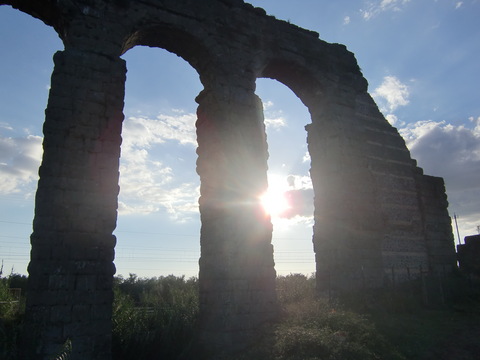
(71, 268)
(437, 224)
(348, 224)
(237, 276)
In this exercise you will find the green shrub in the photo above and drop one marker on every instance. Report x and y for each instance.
(8, 304)
(312, 329)
(11, 309)
(156, 320)
(316, 329)
(295, 287)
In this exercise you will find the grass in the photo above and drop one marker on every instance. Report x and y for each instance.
(157, 318)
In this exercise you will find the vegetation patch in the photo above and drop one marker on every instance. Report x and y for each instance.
(157, 318)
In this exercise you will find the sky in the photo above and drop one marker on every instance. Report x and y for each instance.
(420, 58)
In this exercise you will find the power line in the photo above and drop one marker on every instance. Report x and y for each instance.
(15, 222)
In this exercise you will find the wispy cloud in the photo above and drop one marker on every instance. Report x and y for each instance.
(392, 119)
(346, 20)
(267, 105)
(377, 7)
(458, 5)
(275, 123)
(452, 152)
(148, 184)
(19, 161)
(274, 119)
(306, 158)
(5, 126)
(143, 131)
(391, 94)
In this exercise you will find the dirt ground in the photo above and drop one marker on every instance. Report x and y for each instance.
(463, 344)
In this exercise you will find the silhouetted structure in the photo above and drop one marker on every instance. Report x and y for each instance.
(374, 209)
(469, 256)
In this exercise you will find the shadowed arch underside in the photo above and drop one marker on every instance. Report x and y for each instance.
(174, 40)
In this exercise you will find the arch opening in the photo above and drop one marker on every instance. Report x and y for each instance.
(290, 191)
(158, 223)
(185, 45)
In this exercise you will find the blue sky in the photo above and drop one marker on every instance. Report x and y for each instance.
(420, 58)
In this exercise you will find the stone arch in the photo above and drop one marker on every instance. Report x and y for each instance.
(358, 235)
(308, 83)
(372, 202)
(344, 186)
(231, 164)
(296, 77)
(174, 39)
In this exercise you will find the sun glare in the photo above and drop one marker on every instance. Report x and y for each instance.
(273, 200)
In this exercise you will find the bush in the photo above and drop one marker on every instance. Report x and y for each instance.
(312, 329)
(154, 318)
(11, 309)
(295, 287)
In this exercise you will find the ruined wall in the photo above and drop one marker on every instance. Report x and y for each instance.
(373, 207)
(469, 257)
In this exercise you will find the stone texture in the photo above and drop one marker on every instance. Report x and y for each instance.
(374, 209)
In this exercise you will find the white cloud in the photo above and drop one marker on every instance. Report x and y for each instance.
(306, 158)
(273, 119)
(19, 161)
(299, 182)
(451, 152)
(275, 123)
(150, 191)
(5, 126)
(458, 5)
(346, 20)
(267, 105)
(391, 94)
(147, 184)
(377, 7)
(142, 131)
(392, 119)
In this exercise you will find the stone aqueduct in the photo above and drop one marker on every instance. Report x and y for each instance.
(374, 208)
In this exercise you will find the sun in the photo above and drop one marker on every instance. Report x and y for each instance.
(274, 200)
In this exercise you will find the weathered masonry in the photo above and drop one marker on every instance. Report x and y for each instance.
(374, 209)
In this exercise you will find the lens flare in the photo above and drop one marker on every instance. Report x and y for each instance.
(274, 201)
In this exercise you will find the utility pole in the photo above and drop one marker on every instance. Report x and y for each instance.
(456, 225)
